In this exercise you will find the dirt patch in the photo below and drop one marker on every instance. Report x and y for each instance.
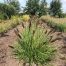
(59, 44)
(6, 58)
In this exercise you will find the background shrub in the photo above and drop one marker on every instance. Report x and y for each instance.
(25, 18)
(7, 10)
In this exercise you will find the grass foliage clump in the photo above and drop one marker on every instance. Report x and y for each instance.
(26, 18)
(58, 24)
(33, 45)
(9, 24)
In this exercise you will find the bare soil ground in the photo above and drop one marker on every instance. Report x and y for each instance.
(6, 58)
(5, 51)
(60, 45)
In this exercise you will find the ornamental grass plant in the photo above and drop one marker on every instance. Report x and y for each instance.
(33, 45)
